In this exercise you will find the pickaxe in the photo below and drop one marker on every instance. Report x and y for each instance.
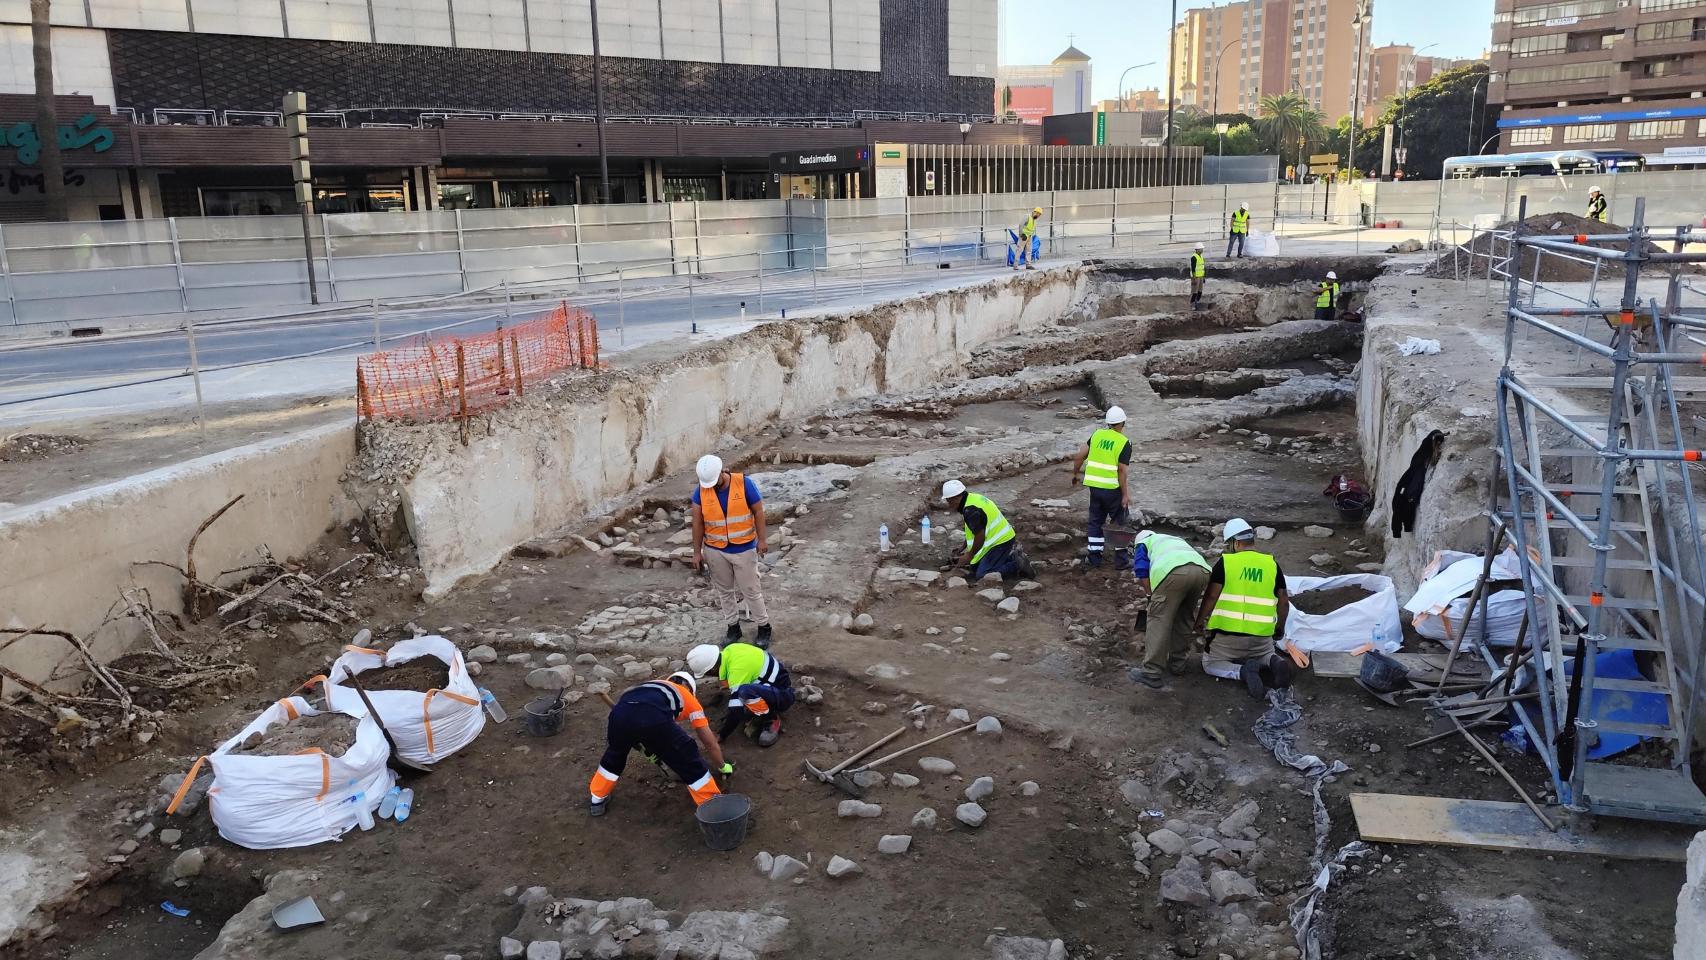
(845, 783)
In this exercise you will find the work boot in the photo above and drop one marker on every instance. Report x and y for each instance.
(1151, 680)
(1251, 673)
(1029, 267)
(733, 633)
(1279, 673)
(598, 808)
(1094, 558)
(762, 641)
(771, 733)
(1027, 569)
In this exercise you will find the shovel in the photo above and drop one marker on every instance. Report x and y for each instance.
(841, 781)
(395, 760)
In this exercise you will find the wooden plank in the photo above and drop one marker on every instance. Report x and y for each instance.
(1338, 663)
(1496, 825)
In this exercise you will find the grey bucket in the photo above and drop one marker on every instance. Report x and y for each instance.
(723, 820)
(544, 716)
(1382, 673)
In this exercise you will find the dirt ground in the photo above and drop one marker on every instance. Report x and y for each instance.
(1107, 757)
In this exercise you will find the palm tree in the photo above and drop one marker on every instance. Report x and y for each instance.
(47, 119)
(1287, 118)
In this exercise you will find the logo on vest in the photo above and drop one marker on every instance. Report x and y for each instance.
(1252, 574)
(1105, 444)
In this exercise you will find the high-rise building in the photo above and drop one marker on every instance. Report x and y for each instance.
(1394, 69)
(1227, 58)
(1598, 74)
(1032, 92)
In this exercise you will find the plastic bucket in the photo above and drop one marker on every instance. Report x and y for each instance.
(1381, 672)
(544, 716)
(723, 820)
(1352, 504)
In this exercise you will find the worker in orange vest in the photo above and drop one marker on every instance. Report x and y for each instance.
(728, 518)
(647, 716)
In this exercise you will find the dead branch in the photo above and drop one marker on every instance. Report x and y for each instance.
(226, 608)
(144, 612)
(358, 558)
(194, 600)
(20, 711)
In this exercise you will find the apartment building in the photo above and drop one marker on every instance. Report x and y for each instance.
(1600, 74)
(1227, 58)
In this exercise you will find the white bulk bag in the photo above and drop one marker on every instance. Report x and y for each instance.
(428, 725)
(1350, 626)
(1441, 602)
(1261, 244)
(269, 803)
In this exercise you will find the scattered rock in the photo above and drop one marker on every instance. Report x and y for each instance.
(552, 679)
(959, 715)
(970, 814)
(869, 778)
(519, 658)
(841, 867)
(556, 659)
(635, 670)
(992, 594)
(545, 950)
(989, 725)
(1009, 605)
(1183, 884)
(875, 707)
(1000, 657)
(763, 862)
(1243, 815)
(858, 808)
(170, 837)
(188, 863)
(510, 949)
(484, 653)
(980, 789)
(955, 583)
(1265, 533)
(925, 819)
(1227, 886)
(883, 671)
(127, 848)
(903, 779)
(1316, 532)
(864, 623)
(1024, 948)
(936, 765)
(786, 868)
(1168, 842)
(894, 843)
(1030, 788)
(1063, 743)
(1136, 794)
(1324, 561)
(1026, 586)
(1140, 848)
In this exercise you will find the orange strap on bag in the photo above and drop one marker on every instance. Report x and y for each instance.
(426, 716)
(184, 788)
(351, 648)
(289, 708)
(325, 771)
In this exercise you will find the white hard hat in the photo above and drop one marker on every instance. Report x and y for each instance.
(1237, 529)
(1243, 206)
(1115, 416)
(703, 658)
(1199, 246)
(1331, 275)
(710, 469)
(1142, 535)
(1593, 189)
(685, 679)
(952, 489)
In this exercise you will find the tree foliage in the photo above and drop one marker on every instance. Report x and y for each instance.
(1435, 121)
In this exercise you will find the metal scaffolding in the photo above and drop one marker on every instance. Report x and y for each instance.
(1595, 493)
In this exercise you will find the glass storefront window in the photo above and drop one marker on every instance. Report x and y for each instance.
(707, 187)
(247, 202)
(465, 196)
(529, 194)
(748, 186)
(359, 200)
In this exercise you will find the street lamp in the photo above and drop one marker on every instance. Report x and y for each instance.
(1404, 105)
(598, 108)
(1222, 53)
(1469, 138)
(1360, 22)
(1172, 61)
(1120, 90)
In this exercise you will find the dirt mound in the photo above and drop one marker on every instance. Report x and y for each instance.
(1553, 269)
(421, 673)
(1326, 601)
(38, 446)
(332, 732)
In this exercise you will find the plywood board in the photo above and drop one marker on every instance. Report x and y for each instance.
(1337, 663)
(1493, 825)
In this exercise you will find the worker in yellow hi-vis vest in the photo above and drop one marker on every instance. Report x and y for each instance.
(1198, 269)
(1104, 461)
(1244, 610)
(1240, 229)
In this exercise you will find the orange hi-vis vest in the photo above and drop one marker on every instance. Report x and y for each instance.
(734, 526)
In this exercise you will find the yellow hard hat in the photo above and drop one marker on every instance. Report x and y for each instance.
(1036, 211)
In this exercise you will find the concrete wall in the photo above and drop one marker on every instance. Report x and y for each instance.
(1691, 904)
(550, 459)
(67, 558)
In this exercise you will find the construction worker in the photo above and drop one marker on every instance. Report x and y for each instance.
(1327, 297)
(1240, 229)
(1596, 205)
(759, 687)
(991, 544)
(1198, 270)
(1104, 461)
(1175, 577)
(1244, 611)
(1026, 232)
(646, 716)
(731, 523)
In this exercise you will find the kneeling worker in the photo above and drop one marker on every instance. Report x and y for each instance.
(758, 684)
(991, 544)
(646, 716)
(1176, 577)
(1244, 610)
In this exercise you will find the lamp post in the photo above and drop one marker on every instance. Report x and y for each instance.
(1222, 53)
(1360, 22)
(1469, 138)
(598, 108)
(1404, 105)
(1172, 62)
(1120, 90)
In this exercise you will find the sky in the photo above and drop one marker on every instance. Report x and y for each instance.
(1117, 34)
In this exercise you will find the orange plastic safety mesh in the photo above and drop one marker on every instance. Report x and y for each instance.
(447, 377)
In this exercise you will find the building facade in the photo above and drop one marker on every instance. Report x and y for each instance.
(1031, 92)
(428, 104)
(1227, 58)
(1600, 74)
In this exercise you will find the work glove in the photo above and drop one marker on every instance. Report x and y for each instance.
(651, 758)
(727, 771)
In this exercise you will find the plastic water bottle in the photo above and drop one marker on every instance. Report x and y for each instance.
(494, 709)
(363, 814)
(924, 529)
(1380, 642)
(883, 537)
(405, 802)
(388, 805)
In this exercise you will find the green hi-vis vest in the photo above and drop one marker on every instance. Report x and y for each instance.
(1328, 295)
(1248, 601)
(1197, 266)
(996, 530)
(1102, 468)
(1596, 208)
(1167, 554)
(1240, 221)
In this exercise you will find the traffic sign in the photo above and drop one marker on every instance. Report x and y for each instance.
(1316, 159)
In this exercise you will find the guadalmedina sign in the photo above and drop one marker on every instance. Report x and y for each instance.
(84, 132)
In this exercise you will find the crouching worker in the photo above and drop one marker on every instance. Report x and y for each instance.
(647, 717)
(992, 546)
(1244, 610)
(1176, 578)
(760, 690)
